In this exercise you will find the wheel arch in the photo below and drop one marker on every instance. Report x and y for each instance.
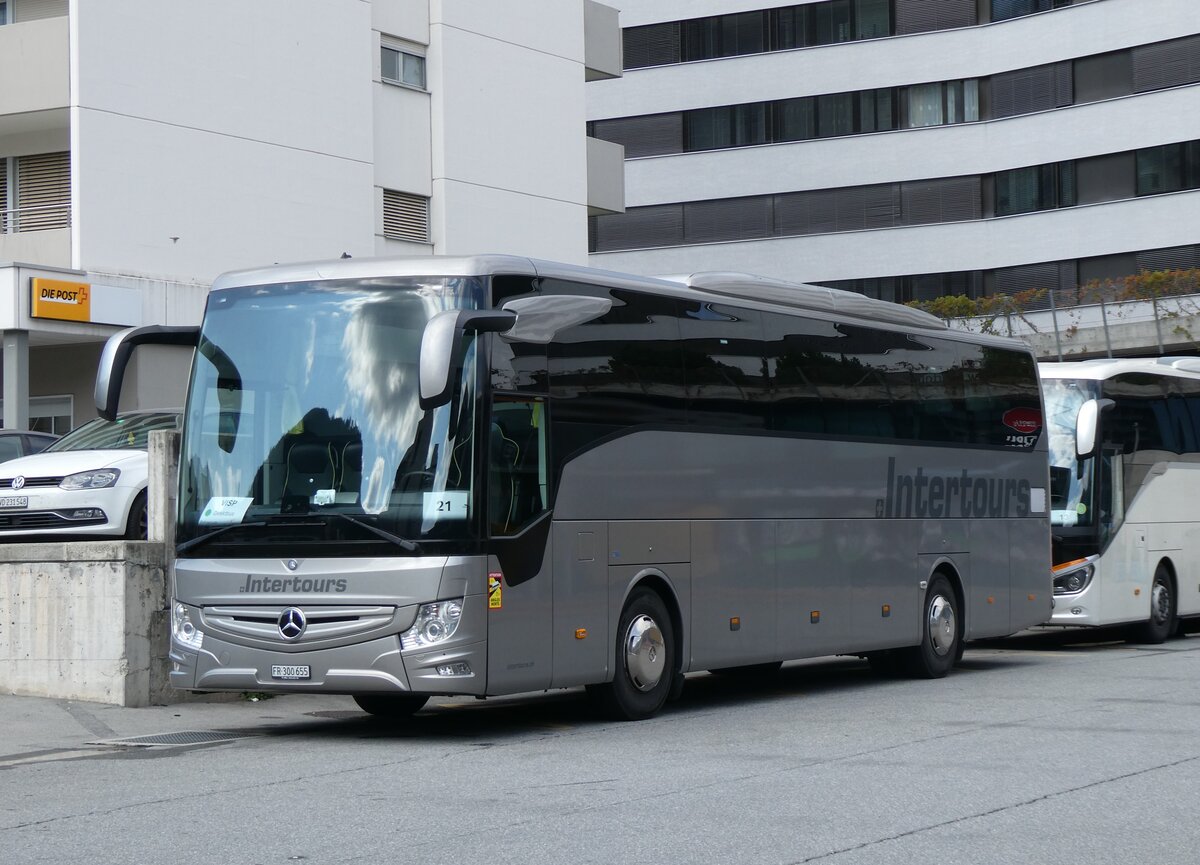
(658, 581)
(945, 567)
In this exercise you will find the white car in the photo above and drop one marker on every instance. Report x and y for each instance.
(91, 482)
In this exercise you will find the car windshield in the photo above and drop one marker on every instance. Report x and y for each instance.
(303, 411)
(128, 432)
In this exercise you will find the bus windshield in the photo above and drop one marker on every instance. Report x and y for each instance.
(1072, 493)
(303, 424)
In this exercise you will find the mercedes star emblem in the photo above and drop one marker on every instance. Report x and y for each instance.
(291, 623)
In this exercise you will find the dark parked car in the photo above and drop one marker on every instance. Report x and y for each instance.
(20, 443)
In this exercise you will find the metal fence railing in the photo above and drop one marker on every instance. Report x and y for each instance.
(40, 218)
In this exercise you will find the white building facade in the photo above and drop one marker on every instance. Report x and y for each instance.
(146, 147)
(906, 149)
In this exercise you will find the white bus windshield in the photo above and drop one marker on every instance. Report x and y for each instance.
(1071, 485)
(303, 423)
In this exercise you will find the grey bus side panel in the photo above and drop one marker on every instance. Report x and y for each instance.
(734, 576)
(581, 603)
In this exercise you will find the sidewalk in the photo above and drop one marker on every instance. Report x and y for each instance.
(35, 729)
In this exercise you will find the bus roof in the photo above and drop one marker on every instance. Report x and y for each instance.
(1099, 369)
(707, 286)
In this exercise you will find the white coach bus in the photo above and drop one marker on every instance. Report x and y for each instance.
(488, 475)
(1125, 492)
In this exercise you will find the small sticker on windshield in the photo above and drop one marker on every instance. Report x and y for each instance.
(222, 511)
(446, 505)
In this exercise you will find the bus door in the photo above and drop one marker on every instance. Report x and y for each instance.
(520, 595)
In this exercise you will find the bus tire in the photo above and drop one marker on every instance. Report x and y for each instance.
(644, 667)
(941, 633)
(393, 706)
(1161, 623)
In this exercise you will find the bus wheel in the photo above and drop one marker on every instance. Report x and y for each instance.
(1161, 623)
(393, 706)
(940, 635)
(645, 660)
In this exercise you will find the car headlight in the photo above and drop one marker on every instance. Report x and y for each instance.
(95, 479)
(1073, 577)
(182, 629)
(435, 624)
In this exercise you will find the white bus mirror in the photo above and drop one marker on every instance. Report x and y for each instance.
(111, 371)
(1087, 426)
(442, 346)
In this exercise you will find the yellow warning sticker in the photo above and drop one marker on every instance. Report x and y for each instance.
(495, 598)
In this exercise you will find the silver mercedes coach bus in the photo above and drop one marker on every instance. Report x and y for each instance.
(427, 476)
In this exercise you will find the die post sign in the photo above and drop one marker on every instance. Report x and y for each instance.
(62, 300)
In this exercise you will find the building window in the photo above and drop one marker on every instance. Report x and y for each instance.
(401, 67)
(1039, 187)
(35, 192)
(1005, 9)
(1168, 168)
(942, 103)
(3, 13)
(405, 216)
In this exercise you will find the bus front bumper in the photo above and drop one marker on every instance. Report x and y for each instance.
(373, 667)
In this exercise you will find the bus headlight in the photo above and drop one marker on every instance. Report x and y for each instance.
(435, 624)
(182, 629)
(1073, 577)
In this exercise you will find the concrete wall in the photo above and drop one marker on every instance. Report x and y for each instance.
(84, 621)
(90, 621)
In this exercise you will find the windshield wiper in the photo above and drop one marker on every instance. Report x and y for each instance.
(403, 543)
(205, 538)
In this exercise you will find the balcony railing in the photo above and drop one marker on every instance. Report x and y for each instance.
(41, 218)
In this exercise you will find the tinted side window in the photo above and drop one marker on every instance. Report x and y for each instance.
(1185, 412)
(724, 368)
(619, 371)
(1138, 421)
(1002, 403)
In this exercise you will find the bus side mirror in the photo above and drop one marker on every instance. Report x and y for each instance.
(1087, 426)
(442, 347)
(111, 372)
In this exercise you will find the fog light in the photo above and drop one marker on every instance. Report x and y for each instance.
(461, 668)
(87, 514)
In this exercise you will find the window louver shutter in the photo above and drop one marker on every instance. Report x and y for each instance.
(405, 216)
(1011, 280)
(653, 45)
(648, 135)
(950, 199)
(639, 228)
(1171, 258)
(3, 196)
(920, 16)
(32, 10)
(730, 219)
(43, 192)
(1027, 90)
(1167, 64)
